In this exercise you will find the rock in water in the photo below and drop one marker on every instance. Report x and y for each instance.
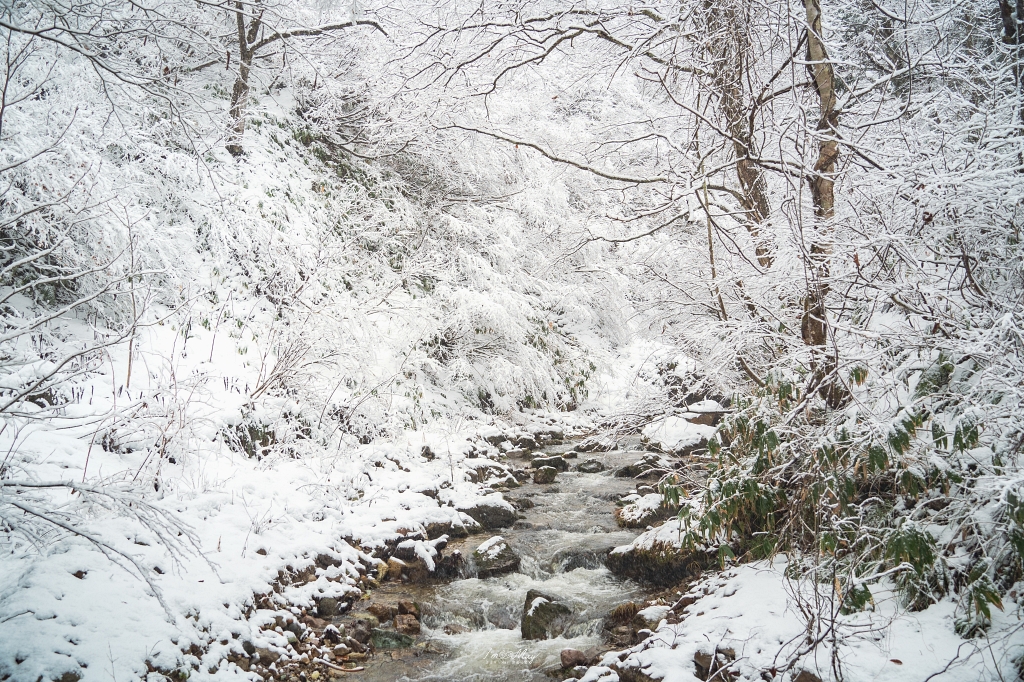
(591, 466)
(495, 557)
(651, 466)
(491, 512)
(656, 557)
(545, 475)
(571, 658)
(554, 461)
(644, 511)
(383, 612)
(407, 624)
(544, 617)
(596, 445)
(387, 639)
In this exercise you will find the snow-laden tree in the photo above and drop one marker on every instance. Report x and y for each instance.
(822, 202)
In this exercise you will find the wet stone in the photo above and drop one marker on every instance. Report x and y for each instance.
(383, 612)
(570, 658)
(522, 503)
(491, 514)
(361, 626)
(451, 567)
(555, 462)
(407, 624)
(573, 558)
(525, 443)
(545, 475)
(596, 445)
(495, 557)
(544, 617)
(651, 466)
(389, 639)
(438, 528)
(590, 466)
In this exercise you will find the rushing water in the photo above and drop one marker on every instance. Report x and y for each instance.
(470, 627)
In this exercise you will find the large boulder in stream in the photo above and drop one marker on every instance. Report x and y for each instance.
(544, 617)
(553, 461)
(495, 557)
(591, 466)
(642, 511)
(656, 557)
(491, 511)
(545, 475)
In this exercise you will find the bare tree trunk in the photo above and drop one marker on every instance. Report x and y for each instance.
(727, 46)
(814, 324)
(240, 92)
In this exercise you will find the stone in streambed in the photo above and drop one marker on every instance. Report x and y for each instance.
(452, 528)
(544, 617)
(495, 557)
(651, 466)
(362, 626)
(655, 557)
(596, 445)
(525, 443)
(490, 512)
(591, 466)
(545, 475)
(383, 612)
(554, 461)
(389, 639)
(407, 624)
(327, 607)
(570, 658)
(451, 567)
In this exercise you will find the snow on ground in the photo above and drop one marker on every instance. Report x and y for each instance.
(197, 529)
(748, 616)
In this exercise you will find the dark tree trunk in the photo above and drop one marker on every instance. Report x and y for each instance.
(240, 91)
(728, 49)
(814, 324)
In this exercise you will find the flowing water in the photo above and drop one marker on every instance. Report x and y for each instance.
(470, 627)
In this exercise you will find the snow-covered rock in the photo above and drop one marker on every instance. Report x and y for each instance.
(677, 435)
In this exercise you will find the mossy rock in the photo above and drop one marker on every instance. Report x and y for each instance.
(659, 565)
(389, 639)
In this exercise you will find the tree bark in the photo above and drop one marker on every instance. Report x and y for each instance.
(727, 46)
(814, 323)
(240, 91)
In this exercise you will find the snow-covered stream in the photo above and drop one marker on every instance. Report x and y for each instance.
(471, 627)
